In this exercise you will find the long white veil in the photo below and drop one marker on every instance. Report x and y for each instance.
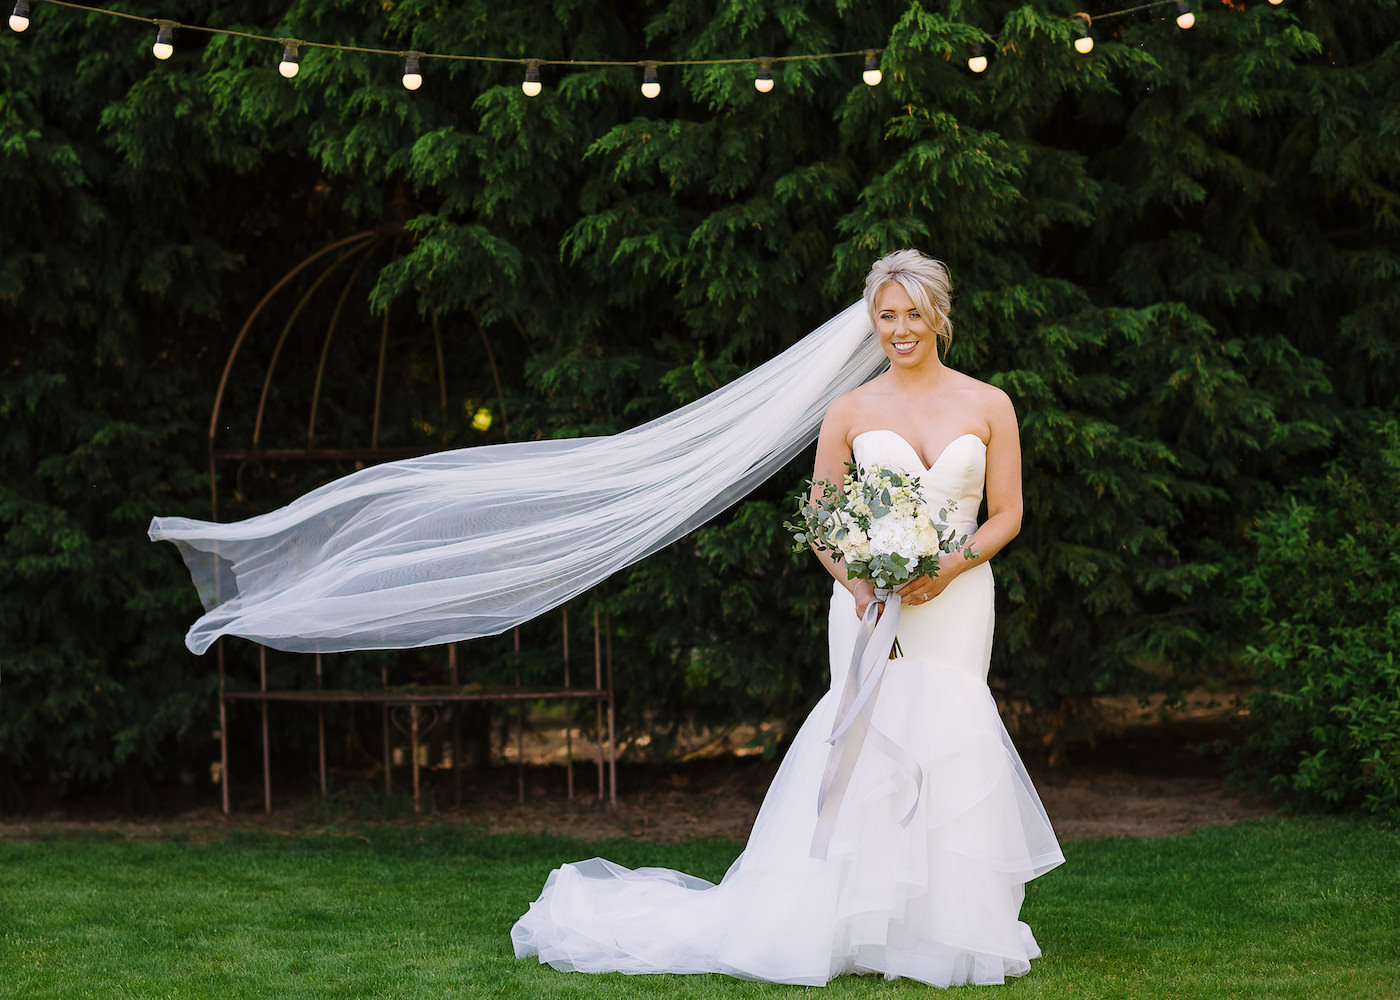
(468, 543)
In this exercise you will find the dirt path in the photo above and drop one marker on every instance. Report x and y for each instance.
(1146, 780)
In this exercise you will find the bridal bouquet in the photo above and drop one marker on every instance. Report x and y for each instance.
(878, 524)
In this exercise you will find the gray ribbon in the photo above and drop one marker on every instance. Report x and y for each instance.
(853, 728)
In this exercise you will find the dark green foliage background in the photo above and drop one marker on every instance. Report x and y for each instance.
(1177, 255)
(1327, 709)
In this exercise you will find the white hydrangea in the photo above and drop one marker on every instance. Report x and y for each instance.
(891, 534)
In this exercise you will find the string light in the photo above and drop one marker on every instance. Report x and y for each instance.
(1084, 44)
(164, 47)
(532, 85)
(871, 74)
(412, 77)
(651, 87)
(290, 65)
(763, 83)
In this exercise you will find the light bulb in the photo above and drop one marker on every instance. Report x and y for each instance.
(1084, 44)
(532, 85)
(1184, 18)
(650, 86)
(1275, 2)
(164, 47)
(763, 83)
(290, 65)
(977, 62)
(871, 74)
(412, 78)
(19, 20)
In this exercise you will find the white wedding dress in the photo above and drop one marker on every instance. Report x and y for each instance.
(936, 900)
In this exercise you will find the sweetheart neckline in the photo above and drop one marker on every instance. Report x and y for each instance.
(910, 446)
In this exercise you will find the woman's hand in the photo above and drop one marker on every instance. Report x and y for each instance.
(864, 592)
(923, 589)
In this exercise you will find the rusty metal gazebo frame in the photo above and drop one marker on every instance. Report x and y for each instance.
(411, 699)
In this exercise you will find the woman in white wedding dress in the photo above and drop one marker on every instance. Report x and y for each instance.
(931, 892)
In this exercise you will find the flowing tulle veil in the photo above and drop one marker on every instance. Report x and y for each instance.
(469, 543)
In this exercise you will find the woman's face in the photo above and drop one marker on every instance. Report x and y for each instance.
(906, 335)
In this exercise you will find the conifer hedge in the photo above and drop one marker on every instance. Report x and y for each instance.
(1177, 255)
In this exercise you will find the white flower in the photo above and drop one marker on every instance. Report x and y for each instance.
(855, 546)
(926, 538)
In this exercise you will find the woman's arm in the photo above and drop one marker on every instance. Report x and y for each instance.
(833, 452)
(1004, 506)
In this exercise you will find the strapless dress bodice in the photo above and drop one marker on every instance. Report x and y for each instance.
(955, 480)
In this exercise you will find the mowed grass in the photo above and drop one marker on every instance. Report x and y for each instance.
(1283, 908)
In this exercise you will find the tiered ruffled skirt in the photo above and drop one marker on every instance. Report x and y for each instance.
(937, 900)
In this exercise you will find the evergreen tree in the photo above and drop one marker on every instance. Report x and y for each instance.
(1175, 254)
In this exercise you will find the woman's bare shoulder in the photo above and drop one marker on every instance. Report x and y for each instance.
(840, 413)
(849, 405)
(983, 394)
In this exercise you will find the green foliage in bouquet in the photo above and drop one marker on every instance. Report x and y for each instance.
(1325, 590)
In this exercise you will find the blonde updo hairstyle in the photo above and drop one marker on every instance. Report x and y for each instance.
(926, 281)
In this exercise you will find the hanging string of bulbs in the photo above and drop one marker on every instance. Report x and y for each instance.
(290, 64)
(1083, 28)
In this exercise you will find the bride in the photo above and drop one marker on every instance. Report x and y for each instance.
(866, 883)
(903, 848)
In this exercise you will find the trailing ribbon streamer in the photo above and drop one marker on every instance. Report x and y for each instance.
(853, 727)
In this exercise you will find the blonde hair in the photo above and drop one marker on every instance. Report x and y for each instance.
(925, 279)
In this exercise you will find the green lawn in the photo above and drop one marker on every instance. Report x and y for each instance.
(1292, 908)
